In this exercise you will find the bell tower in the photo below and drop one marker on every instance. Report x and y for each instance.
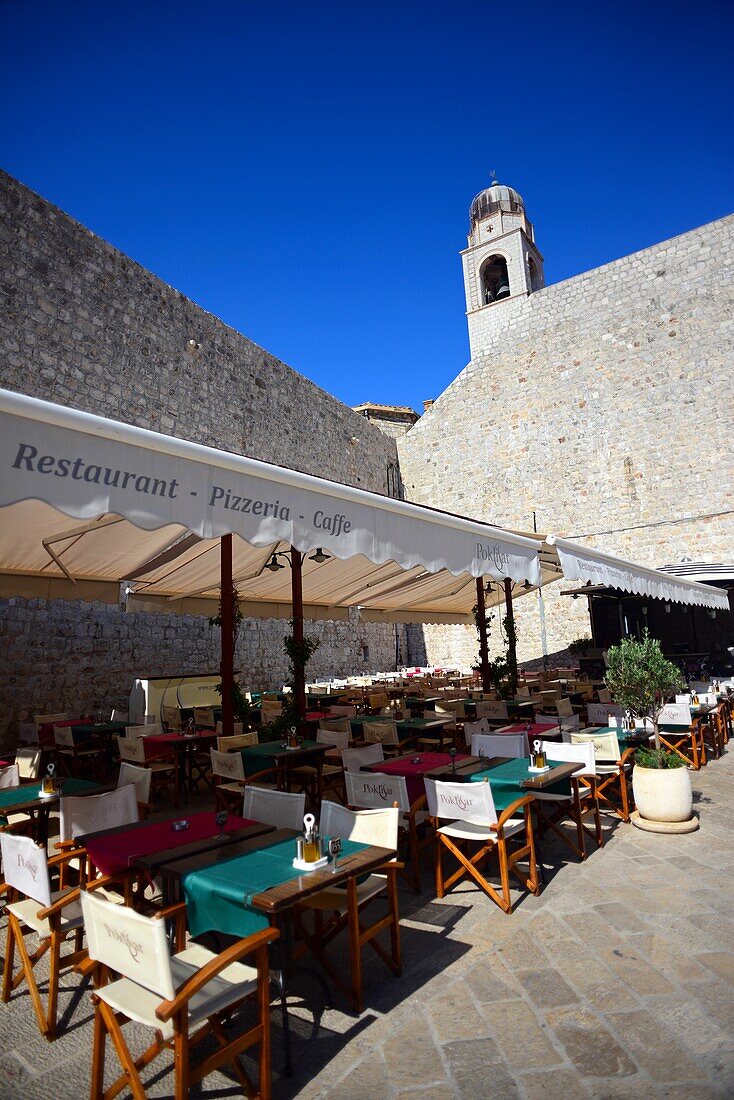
(501, 261)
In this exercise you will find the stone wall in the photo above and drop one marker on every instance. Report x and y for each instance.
(602, 404)
(82, 325)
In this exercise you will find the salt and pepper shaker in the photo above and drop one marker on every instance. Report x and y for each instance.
(335, 847)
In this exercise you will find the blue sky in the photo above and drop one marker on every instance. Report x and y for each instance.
(304, 168)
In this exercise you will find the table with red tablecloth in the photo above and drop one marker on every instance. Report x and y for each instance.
(413, 767)
(46, 729)
(533, 729)
(182, 747)
(114, 850)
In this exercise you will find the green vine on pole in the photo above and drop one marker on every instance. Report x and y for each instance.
(503, 668)
(240, 704)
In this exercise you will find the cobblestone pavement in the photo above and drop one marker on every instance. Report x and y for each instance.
(616, 981)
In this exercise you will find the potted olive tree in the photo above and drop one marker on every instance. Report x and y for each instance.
(642, 680)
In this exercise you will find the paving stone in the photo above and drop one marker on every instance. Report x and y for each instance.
(367, 1081)
(621, 917)
(589, 1043)
(632, 969)
(722, 964)
(602, 989)
(454, 1015)
(519, 1035)
(411, 1056)
(546, 987)
(477, 1071)
(546, 1085)
(653, 1048)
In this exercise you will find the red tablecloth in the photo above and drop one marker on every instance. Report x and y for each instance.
(317, 715)
(114, 853)
(164, 744)
(46, 731)
(414, 768)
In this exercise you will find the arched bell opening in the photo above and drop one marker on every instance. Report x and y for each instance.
(495, 280)
(536, 282)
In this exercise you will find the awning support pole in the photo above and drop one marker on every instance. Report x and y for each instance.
(511, 646)
(299, 678)
(482, 628)
(227, 630)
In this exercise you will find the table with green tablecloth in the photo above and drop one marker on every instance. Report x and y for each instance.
(506, 781)
(405, 726)
(276, 755)
(28, 799)
(219, 898)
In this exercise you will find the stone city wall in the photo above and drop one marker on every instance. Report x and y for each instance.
(602, 404)
(83, 325)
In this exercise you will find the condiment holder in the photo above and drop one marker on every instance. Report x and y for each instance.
(538, 761)
(310, 854)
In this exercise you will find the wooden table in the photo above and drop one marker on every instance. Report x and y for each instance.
(283, 760)
(277, 902)
(476, 764)
(28, 800)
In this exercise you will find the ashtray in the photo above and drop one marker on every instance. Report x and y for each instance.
(291, 748)
(179, 826)
(301, 865)
(539, 771)
(416, 760)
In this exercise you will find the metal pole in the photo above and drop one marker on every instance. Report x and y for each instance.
(227, 631)
(541, 612)
(482, 627)
(511, 647)
(299, 679)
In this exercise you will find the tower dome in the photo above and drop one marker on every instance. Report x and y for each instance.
(494, 198)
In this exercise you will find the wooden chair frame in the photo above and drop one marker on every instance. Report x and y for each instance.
(108, 1022)
(47, 1019)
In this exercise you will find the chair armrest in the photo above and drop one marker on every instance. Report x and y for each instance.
(627, 754)
(419, 803)
(51, 910)
(177, 912)
(197, 981)
(511, 811)
(79, 852)
(258, 775)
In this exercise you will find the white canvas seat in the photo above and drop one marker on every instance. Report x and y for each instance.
(162, 992)
(149, 729)
(495, 709)
(228, 772)
(372, 790)
(500, 744)
(468, 809)
(613, 769)
(470, 728)
(29, 762)
(141, 779)
(10, 776)
(236, 741)
(51, 915)
(281, 809)
(346, 905)
(237, 730)
(163, 772)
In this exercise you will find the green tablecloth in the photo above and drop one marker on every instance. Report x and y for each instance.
(256, 758)
(506, 782)
(218, 899)
(404, 725)
(10, 795)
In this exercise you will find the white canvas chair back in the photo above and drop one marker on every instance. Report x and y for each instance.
(97, 811)
(204, 716)
(150, 729)
(338, 725)
(333, 737)
(370, 790)
(354, 759)
(599, 714)
(236, 741)
(384, 732)
(128, 943)
(63, 737)
(25, 867)
(455, 707)
(228, 764)
(140, 778)
(237, 728)
(461, 802)
(29, 763)
(567, 724)
(378, 827)
(343, 710)
(672, 714)
(282, 809)
(471, 728)
(171, 718)
(686, 699)
(523, 691)
(583, 753)
(605, 695)
(132, 749)
(606, 745)
(564, 708)
(10, 776)
(378, 700)
(492, 708)
(707, 698)
(119, 715)
(270, 709)
(49, 719)
(500, 744)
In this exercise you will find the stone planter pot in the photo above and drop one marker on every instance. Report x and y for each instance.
(663, 794)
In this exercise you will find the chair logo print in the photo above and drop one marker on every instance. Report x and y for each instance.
(134, 948)
(457, 800)
(378, 789)
(28, 865)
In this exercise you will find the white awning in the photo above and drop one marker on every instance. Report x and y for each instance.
(89, 502)
(580, 563)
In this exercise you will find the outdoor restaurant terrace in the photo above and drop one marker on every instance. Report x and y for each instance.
(420, 882)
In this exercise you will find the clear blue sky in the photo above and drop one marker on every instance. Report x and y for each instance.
(303, 168)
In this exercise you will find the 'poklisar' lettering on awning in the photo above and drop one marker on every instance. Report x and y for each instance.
(86, 466)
